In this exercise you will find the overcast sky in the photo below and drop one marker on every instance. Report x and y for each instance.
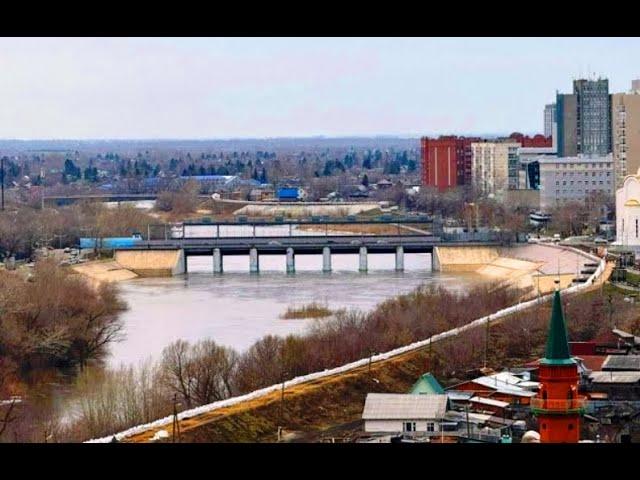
(282, 87)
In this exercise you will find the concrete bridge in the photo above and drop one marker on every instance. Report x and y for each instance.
(169, 257)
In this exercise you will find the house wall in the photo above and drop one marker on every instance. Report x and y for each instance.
(627, 216)
(379, 426)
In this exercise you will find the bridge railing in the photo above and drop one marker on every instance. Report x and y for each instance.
(285, 229)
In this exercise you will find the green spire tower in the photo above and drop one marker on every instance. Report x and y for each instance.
(557, 351)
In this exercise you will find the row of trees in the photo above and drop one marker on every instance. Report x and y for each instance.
(54, 318)
(24, 229)
(204, 372)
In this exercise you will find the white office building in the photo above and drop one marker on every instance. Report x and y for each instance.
(566, 179)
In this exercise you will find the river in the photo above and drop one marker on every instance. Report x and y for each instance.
(237, 308)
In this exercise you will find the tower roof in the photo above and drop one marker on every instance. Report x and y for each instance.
(557, 351)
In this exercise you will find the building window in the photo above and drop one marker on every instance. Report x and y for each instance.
(431, 427)
(409, 426)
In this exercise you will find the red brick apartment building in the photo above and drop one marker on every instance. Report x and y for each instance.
(537, 141)
(446, 161)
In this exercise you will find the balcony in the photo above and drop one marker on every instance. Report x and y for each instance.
(558, 406)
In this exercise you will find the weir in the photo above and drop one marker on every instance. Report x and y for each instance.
(158, 262)
(168, 257)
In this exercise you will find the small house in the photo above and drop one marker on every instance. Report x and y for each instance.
(407, 413)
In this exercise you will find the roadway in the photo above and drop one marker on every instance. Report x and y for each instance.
(309, 244)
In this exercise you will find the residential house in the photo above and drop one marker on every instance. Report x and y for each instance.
(503, 386)
(393, 413)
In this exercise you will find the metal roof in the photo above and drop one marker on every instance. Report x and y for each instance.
(508, 384)
(622, 362)
(615, 377)
(457, 395)
(392, 406)
(489, 401)
(427, 383)
(622, 333)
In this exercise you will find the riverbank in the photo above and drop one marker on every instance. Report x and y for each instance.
(100, 271)
(308, 409)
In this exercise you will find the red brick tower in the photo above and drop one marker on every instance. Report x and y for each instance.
(557, 405)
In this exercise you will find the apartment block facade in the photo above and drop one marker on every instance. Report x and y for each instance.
(495, 167)
(446, 161)
(565, 179)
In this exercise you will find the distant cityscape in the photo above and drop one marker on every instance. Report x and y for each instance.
(590, 142)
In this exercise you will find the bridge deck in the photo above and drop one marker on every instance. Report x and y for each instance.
(302, 244)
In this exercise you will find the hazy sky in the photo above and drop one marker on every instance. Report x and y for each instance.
(274, 87)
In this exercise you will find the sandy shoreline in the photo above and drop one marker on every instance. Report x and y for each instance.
(100, 271)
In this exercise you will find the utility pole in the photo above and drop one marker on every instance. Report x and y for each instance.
(486, 341)
(2, 174)
(283, 376)
(176, 424)
(466, 409)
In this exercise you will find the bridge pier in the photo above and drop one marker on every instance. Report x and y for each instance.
(326, 259)
(254, 261)
(217, 260)
(400, 259)
(291, 261)
(363, 259)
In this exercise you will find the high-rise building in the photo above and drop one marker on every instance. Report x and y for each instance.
(584, 119)
(446, 161)
(566, 124)
(625, 132)
(495, 167)
(549, 119)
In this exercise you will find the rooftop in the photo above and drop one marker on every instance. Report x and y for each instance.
(489, 401)
(398, 406)
(427, 383)
(615, 377)
(622, 362)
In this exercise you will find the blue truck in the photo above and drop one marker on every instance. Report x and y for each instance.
(290, 194)
(110, 243)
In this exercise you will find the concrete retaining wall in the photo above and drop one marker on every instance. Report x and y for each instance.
(462, 259)
(152, 263)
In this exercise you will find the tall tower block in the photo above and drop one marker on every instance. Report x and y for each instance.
(557, 405)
